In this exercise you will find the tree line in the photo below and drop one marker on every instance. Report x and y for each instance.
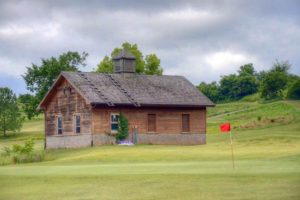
(276, 83)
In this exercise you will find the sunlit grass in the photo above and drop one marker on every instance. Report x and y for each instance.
(267, 161)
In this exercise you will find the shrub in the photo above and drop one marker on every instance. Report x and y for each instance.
(294, 90)
(258, 118)
(26, 149)
(21, 153)
(28, 158)
(251, 98)
(123, 128)
(7, 151)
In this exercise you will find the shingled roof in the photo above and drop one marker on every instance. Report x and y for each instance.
(136, 90)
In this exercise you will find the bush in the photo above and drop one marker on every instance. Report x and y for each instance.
(294, 90)
(28, 158)
(21, 154)
(26, 149)
(123, 128)
(251, 98)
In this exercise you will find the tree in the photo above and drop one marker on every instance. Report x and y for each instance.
(234, 87)
(105, 66)
(294, 90)
(247, 70)
(152, 65)
(229, 87)
(211, 90)
(40, 78)
(28, 104)
(123, 128)
(151, 62)
(283, 66)
(247, 85)
(274, 82)
(248, 82)
(10, 116)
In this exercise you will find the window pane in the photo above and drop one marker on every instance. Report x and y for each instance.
(78, 129)
(114, 118)
(59, 125)
(77, 120)
(59, 122)
(114, 127)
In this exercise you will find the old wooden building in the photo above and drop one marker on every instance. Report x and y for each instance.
(82, 108)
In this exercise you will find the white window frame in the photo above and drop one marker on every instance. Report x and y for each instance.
(57, 128)
(111, 122)
(75, 123)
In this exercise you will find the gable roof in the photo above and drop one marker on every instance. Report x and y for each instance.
(135, 90)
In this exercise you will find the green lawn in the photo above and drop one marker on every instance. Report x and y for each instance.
(267, 153)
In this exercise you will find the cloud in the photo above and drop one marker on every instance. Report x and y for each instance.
(198, 39)
(225, 61)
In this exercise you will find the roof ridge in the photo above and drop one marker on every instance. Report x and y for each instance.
(137, 74)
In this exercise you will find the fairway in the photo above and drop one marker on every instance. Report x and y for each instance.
(267, 163)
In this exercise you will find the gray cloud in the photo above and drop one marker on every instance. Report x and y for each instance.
(198, 39)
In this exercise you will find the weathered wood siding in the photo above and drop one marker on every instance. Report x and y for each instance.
(66, 102)
(168, 120)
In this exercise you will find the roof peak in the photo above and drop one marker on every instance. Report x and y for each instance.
(130, 74)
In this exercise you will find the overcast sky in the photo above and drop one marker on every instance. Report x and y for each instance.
(198, 39)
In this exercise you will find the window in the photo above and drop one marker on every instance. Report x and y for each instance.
(185, 123)
(151, 122)
(114, 122)
(59, 125)
(77, 123)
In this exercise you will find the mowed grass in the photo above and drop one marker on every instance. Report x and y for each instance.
(267, 163)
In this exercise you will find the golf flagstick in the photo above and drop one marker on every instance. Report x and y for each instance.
(225, 128)
(231, 144)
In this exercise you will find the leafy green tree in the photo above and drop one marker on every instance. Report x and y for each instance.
(229, 87)
(273, 85)
(39, 78)
(152, 65)
(283, 66)
(211, 90)
(123, 128)
(105, 66)
(28, 104)
(248, 83)
(294, 90)
(149, 65)
(10, 116)
(274, 82)
(247, 70)
(234, 87)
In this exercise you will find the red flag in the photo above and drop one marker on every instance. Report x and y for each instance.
(225, 127)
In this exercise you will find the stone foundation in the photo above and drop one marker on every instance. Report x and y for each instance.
(84, 140)
(175, 139)
(101, 139)
(68, 141)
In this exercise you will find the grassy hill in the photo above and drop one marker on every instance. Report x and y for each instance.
(266, 142)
